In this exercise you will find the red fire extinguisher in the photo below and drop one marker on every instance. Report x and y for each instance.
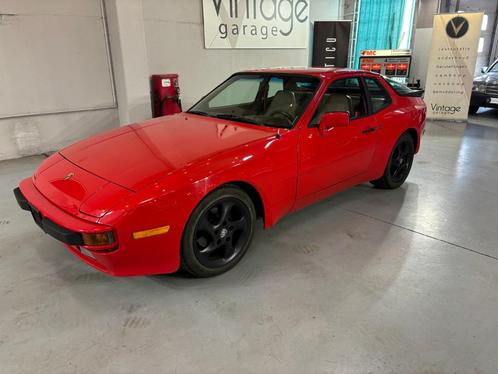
(165, 95)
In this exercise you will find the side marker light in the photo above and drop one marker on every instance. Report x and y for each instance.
(151, 232)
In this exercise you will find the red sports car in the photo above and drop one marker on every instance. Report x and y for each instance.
(185, 190)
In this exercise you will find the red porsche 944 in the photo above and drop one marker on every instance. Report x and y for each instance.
(186, 190)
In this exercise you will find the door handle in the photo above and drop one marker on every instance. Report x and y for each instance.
(369, 130)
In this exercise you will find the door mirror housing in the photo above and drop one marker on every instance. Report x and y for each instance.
(331, 120)
(484, 69)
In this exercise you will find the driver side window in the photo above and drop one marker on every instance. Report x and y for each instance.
(343, 95)
(275, 84)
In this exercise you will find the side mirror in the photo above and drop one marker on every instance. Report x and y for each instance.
(331, 120)
(484, 69)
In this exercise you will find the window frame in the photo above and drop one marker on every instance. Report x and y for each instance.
(268, 83)
(335, 79)
(369, 97)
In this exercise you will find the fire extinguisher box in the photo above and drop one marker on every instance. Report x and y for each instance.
(165, 95)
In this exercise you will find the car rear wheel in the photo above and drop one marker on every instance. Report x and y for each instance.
(218, 233)
(399, 164)
(473, 109)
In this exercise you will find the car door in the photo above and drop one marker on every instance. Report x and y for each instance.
(325, 160)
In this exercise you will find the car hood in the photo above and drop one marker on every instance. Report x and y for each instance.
(137, 155)
(76, 190)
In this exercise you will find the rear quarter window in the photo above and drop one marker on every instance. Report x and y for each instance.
(379, 97)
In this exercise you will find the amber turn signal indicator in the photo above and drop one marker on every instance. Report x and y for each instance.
(151, 232)
(97, 238)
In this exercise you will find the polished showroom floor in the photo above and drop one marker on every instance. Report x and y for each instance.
(368, 281)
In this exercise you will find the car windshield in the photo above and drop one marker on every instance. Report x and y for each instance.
(264, 99)
(494, 68)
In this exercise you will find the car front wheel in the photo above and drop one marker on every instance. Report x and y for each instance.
(399, 164)
(218, 232)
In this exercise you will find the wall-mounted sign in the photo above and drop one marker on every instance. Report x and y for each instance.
(451, 65)
(385, 52)
(331, 43)
(256, 23)
(393, 63)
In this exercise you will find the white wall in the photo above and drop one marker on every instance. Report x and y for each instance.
(54, 67)
(421, 51)
(175, 44)
(129, 56)
(25, 136)
(422, 38)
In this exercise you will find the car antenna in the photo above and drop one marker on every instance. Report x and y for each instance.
(277, 135)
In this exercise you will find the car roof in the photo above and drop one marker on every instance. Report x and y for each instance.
(319, 72)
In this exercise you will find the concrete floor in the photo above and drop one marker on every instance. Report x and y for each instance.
(368, 281)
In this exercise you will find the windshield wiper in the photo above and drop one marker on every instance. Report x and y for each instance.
(235, 117)
(228, 116)
(198, 112)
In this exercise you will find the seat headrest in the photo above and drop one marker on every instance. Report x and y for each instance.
(339, 102)
(283, 101)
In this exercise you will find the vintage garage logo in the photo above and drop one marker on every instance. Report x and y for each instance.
(457, 27)
(445, 109)
(256, 23)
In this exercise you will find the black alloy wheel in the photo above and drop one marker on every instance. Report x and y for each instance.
(399, 164)
(222, 232)
(218, 233)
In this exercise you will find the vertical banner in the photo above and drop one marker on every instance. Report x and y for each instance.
(451, 65)
(331, 43)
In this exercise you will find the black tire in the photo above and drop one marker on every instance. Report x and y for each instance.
(473, 109)
(218, 232)
(399, 165)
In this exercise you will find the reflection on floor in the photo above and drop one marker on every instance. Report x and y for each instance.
(368, 281)
(485, 117)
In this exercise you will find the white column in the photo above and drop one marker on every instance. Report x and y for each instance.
(129, 59)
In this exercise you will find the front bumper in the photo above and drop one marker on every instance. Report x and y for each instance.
(48, 226)
(155, 255)
(63, 226)
(482, 99)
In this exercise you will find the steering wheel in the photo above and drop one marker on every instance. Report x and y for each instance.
(289, 117)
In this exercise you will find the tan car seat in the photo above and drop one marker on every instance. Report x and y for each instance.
(284, 101)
